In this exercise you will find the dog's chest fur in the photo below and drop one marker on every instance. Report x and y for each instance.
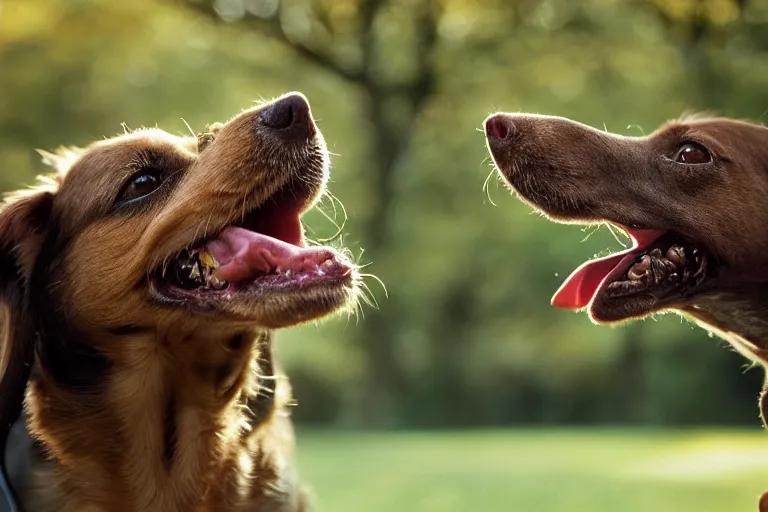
(739, 318)
(258, 479)
(228, 447)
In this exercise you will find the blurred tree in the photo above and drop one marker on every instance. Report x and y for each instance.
(347, 39)
(697, 26)
(400, 88)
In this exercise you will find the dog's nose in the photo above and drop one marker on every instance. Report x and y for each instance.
(290, 116)
(499, 127)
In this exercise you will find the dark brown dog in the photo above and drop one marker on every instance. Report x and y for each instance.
(693, 196)
(141, 284)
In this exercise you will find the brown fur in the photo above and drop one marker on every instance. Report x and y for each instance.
(575, 173)
(139, 405)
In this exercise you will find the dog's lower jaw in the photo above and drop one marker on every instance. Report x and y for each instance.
(144, 446)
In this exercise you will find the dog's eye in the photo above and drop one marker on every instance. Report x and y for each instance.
(140, 184)
(691, 153)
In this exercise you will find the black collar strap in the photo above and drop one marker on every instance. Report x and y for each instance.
(8, 500)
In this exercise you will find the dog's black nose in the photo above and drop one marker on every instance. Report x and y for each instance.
(290, 116)
(499, 126)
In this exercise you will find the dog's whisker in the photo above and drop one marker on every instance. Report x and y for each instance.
(366, 295)
(191, 131)
(339, 228)
(613, 230)
(486, 188)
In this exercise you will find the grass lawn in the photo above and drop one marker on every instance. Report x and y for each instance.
(536, 471)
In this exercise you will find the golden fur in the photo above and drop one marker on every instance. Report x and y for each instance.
(139, 405)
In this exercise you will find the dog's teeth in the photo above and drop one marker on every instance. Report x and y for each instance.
(676, 255)
(278, 270)
(327, 264)
(288, 273)
(217, 284)
(660, 269)
(670, 265)
(702, 267)
(207, 260)
(640, 269)
(187, 273)
(319, 271)
(698, 255)
(643, 264)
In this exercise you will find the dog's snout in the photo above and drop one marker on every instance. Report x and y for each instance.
(499, 127)
(290, 116)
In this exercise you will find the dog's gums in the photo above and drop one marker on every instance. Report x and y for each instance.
(656, 272)
(659, 264)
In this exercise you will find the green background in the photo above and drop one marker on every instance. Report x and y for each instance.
(394, 403)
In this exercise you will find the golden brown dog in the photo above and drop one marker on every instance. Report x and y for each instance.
(140, 286)
(693, 197)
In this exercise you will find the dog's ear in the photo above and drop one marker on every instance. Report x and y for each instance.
(23, 224)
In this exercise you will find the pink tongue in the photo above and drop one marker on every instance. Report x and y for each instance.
(581, 286)
(243, 254)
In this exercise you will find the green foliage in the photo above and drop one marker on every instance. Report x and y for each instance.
(466, 336)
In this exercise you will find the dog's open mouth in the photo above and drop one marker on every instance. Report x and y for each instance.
(265, 252)
(658, 264)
